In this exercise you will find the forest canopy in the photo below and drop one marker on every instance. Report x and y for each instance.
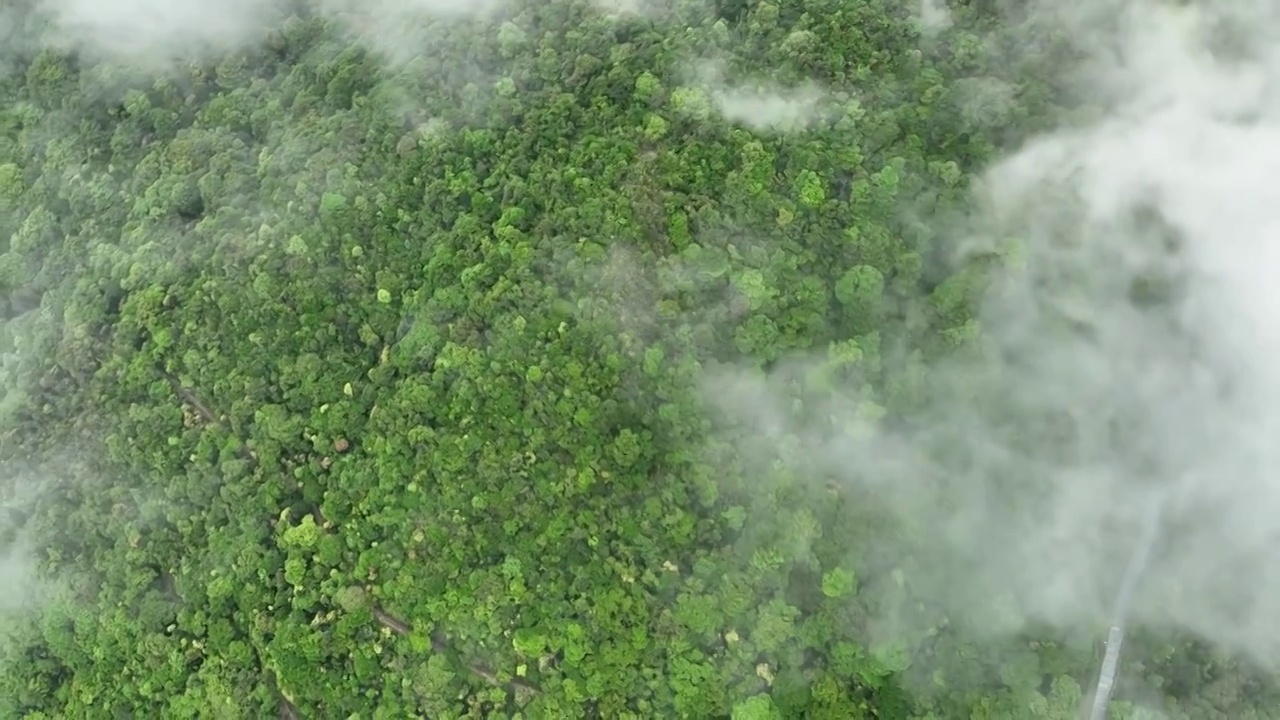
(485, 362)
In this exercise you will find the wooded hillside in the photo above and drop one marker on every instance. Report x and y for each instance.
(346, 386)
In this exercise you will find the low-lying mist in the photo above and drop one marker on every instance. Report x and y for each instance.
(1128, 349)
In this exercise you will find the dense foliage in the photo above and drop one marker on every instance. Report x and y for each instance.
(339, 387)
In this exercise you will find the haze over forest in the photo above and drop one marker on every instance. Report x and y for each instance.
(627, 359)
